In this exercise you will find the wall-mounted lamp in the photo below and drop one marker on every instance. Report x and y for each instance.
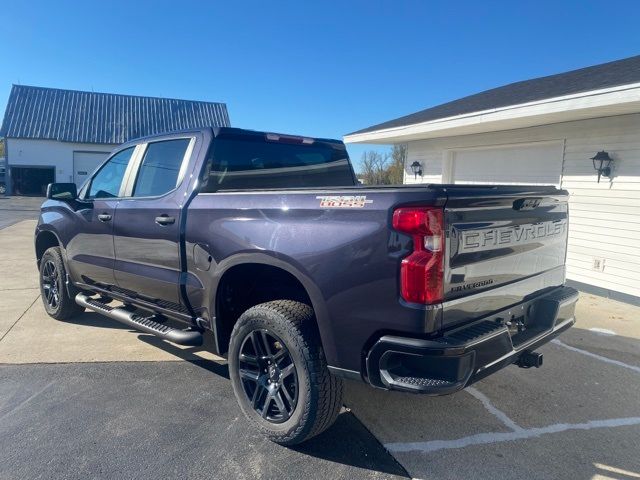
(602, 164)
(417, 169)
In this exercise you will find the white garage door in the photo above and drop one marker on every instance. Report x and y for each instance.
(514, 164)
(84, 163)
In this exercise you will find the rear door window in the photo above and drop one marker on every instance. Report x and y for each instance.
(160, 167)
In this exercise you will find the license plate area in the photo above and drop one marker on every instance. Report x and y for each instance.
(530, 320)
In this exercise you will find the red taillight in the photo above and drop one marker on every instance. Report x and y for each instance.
(421, 273)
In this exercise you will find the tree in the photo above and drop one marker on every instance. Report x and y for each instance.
(1, 148)
(374, 167)
(383, 168)
(396, 169)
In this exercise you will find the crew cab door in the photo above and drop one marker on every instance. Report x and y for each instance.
(90, 250)
(147, 226)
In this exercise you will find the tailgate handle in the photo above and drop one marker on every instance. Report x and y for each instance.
(527, 203)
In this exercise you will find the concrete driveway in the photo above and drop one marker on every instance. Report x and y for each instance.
(90, 398)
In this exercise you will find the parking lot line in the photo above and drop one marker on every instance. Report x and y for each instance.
(602, 331)
(497, 437)
(518, 432)
(27, 400)
(499, 414)
(618, 471)
(599, 357)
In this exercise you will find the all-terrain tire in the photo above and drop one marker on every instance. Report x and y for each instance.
(319, 392)
(58, 298)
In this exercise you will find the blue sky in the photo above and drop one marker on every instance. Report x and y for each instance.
(323, 69)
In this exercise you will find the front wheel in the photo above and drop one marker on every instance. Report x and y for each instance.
(279, 374)
(58, 303)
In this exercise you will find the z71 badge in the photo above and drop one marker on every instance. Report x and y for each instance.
(342, 201)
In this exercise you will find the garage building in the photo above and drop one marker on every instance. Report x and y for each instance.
(54, 135)
(546, 131)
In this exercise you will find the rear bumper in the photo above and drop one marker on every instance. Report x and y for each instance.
(467, 354)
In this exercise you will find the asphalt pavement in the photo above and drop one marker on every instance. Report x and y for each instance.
(17, 209)
(158, 420)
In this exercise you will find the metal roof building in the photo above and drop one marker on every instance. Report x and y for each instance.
(62, 135)
(107, 118)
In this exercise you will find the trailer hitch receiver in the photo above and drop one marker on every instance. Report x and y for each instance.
(530, 359)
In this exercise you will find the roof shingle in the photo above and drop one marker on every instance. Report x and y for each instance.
(606, 75)
(88, 117)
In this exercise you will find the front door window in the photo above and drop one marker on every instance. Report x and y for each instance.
(107, 182)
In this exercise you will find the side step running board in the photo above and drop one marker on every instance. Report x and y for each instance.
(144, 324)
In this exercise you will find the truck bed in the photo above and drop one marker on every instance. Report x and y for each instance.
(350, 256)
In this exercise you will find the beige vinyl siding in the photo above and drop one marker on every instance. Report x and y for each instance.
(604, 217)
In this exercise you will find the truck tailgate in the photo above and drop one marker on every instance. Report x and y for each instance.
(504, 244)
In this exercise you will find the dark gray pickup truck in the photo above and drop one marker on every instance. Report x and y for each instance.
(300, 277)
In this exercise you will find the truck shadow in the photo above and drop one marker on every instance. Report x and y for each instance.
(347, 442)
(187, 354)
(93, 319)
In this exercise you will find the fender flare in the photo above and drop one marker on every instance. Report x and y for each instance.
(45, 228)
(292, 267)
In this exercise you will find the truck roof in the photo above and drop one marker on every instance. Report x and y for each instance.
(233, 132)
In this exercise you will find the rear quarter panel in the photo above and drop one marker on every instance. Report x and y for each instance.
(347, 258)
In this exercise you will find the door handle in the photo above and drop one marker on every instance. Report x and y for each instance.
(165, 220)
(104, 217)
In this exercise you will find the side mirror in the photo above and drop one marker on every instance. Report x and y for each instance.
(62, 191)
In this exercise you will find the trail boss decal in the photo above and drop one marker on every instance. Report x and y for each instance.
(342, 201)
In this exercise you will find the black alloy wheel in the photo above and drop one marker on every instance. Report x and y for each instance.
(58, 297)
(51, 284)
(268, 374)
(279, 373)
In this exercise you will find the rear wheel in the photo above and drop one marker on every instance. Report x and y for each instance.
(279, 375)
(57, 301)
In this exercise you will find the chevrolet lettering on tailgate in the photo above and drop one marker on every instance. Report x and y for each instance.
(491, 238)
